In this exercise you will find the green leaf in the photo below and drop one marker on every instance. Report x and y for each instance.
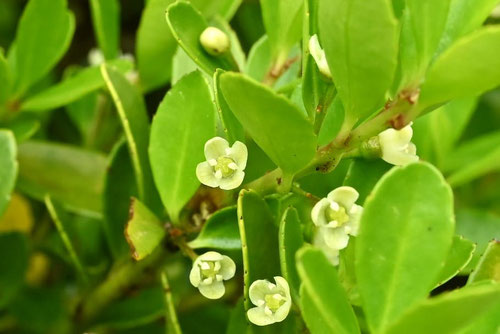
(486, 323)
(182, 64)
(68, 174)
(187, 115)
(220, 231)
(72, 88)
(224, 8)
(9, 167)
(5, 80)
(324, 301)
(459, 256)
(405, 236)
(479, 227)
(363, 175)
(142, 308)
(24, 126)
(259, 241)
(232, 128)
(119, 188)
(473, 159)
(144, 231)
(488, 267)
(43, 36)
(186, 25)
(290, 241)
(286, 135)
(135, 122)
(106, 22)
(155, 46)
(464, 17)
(283, 22)
(13, 267)
(360, 41)
(423, 25)
(449, 312)
(469, 67)
(58, 216)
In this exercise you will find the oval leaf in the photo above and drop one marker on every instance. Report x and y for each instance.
(406, 233)
(8, 172)
(220, 231)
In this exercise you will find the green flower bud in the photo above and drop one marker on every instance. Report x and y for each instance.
(214, 41)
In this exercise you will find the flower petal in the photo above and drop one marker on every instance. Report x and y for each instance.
(331, 254)
(283, 311)
(210, 256)
(195, 275)
(215, 290)
(318, 212)
(228, 268)
(354, 219)
(239, 153)
(335, 238)
(258, 290)
(258, 317)
(216, 147)
(345, 196)
(232, 182)
(398, 158)
(205, 174)
(282, 285)
(395, 138)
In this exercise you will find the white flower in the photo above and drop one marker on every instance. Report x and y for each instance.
(331, 254)
(337, 217)
(208, 273)
(272, 301)
(214, 41)
(224, 166)
(319, 56)
(95, 57)
(396, 146)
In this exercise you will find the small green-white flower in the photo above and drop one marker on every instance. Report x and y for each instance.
(214, 41)
(95, 57)
(337, 217)
(272, 301)
(332, 254)
(319, 56)
(208, 273)
(396, 146)
(224, 166)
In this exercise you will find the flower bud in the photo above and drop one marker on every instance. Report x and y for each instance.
(214, 41)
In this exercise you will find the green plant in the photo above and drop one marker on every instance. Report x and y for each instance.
(331, 178)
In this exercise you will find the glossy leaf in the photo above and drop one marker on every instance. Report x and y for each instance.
(330, 311)
(144, 231)
(155, 46)
(406, 232)
(487, 323)
(464, 17)
(24, 126)
(220, 231)
(186, 25)
(73, 88)
(8, 172)
(68, 174)
(106, 22)
(260, 249)
(362, 57)
(470, 67)
(119, 188)
(290, 241)
(224, 8)
(185, 120)
(283, 22)
(459, 256)
(449, 312)
(232, 127)
(488, 267)
(134, 118)
(13, 267)
(43, 36)
(423, 25)
(286, 136)
(182, 64)
(5, 80)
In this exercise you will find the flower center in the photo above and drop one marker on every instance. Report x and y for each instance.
(226, 166)
(274, 301)
(339, 215)
(209, 269)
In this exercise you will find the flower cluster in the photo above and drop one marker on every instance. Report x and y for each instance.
(337, 217)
